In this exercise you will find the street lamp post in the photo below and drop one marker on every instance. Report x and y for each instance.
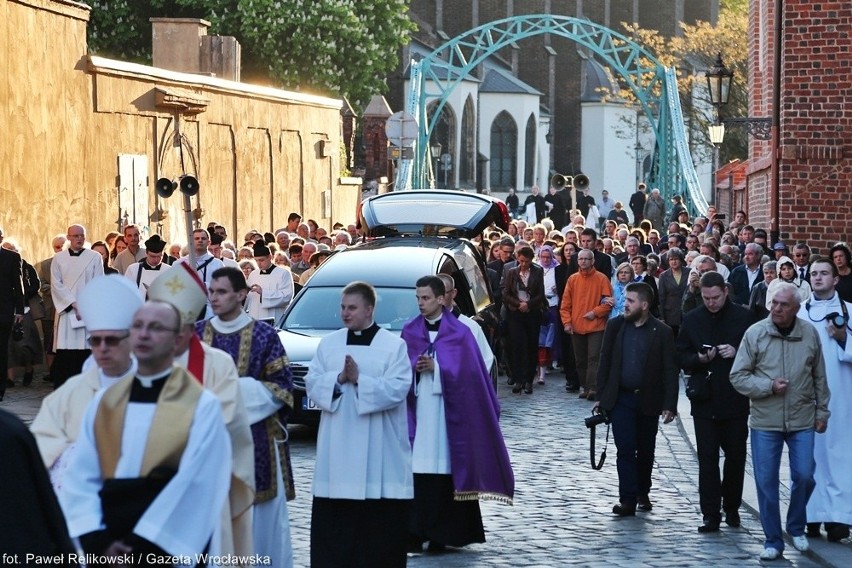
(435, 149)
(719, 79)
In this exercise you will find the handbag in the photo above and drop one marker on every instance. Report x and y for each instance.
(698, 387)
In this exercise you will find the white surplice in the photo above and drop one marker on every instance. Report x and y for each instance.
(277, 291)
(363, 451)
(148, 275)
(481, 340)
(68, 276)
(831, 500)
(431, 451)
(182, 518)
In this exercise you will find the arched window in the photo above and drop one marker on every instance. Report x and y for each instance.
(529, 152)
(504, 152)
(467, 155)
(444, 133)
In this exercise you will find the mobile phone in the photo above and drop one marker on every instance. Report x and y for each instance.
(720, 216)
(705, 348)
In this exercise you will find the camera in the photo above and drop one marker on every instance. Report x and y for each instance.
(836, 319)
(720, 216)
(596, 419)
(705, 349)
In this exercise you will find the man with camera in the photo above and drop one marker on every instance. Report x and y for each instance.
(637, 382)
(706, 346)
(832, 496)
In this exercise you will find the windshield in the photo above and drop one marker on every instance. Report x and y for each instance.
(319, 308)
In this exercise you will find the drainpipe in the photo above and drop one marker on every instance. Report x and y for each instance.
(775, 145)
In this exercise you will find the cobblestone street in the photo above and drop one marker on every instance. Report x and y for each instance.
(562, 512)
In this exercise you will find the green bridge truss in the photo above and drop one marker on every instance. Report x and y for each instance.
(655, 87)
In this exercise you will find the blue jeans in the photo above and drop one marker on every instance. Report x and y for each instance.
(766, 448)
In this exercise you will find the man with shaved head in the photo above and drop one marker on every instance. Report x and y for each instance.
(70, 271)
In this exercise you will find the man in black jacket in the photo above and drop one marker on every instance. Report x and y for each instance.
(637, 382)
(706, 346)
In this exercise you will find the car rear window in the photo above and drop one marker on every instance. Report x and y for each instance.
(319, 308)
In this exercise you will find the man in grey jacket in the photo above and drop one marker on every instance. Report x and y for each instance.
(780, 367)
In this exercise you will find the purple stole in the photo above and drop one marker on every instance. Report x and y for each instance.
(480, 461)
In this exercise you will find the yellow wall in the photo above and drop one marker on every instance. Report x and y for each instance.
(67, 116)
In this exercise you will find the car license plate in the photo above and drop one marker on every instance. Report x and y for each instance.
(308, 404)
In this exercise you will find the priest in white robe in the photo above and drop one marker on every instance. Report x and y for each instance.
(479, 335)
(270, 287)
(144, 272)
(831, 501)
(151, 471)
(360, 377)
(70, 271)
(107, 305)
(216, 371)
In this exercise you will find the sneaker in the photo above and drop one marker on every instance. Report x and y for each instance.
(770, 553)
(800, 543)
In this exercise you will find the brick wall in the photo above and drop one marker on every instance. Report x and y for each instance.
(815, 141)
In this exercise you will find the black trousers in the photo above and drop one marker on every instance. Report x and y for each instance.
(370, 533)
(723, 492)
(523, 345)
(566, 355)
(66, 364)
(5, 334)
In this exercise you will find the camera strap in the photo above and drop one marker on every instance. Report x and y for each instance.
(592, 448)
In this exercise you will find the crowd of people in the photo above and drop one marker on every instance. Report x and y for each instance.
(165, 438)
(165, 365)
(759, 329)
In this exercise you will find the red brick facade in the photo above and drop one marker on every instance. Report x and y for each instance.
(815, 139)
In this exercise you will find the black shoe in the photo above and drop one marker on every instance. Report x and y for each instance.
(10, 383)
(732, 519)
(517, 389)
(510, 381)
(28, 379)
(812, 530)
(623, 510)
(836, 531)
(528, 388)
(709, 526)
(643, 503)
(436, 547)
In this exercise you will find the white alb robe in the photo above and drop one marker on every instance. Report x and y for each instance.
(363, 451)
(68, 276)
(481, 340)
(831, 500)
(277, 291)
(147, 277)
(183, 517)
(431, 451)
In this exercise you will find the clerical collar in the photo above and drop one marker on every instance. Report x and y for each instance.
(78, 253)
(362, 336)
(232, 326)
(268, 270)
(432, 325)
(146, 266)
(147, 388)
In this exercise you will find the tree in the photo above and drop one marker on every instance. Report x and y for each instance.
(337, 47)
(691, 54)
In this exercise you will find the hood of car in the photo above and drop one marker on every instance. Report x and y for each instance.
(301, 346)
(445, 213)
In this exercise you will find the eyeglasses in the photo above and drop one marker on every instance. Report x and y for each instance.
(109, 340)
(152, 328)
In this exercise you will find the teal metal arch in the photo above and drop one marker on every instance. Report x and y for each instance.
(655, 87)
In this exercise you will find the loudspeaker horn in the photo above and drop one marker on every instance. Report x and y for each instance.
(560, 181)
(165, 187)
(581, 181)
(188, 185)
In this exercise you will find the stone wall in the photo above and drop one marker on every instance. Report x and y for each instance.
(259, 153)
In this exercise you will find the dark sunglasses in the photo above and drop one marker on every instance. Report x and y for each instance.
(110, 340)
